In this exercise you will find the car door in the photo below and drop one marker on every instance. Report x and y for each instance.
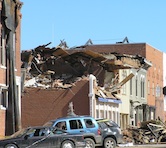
(37, 138)
(75, 126)
(56, 138)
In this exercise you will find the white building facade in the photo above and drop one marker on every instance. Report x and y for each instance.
(101, 107)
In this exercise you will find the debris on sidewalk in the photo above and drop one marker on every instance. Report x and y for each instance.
(153, 131)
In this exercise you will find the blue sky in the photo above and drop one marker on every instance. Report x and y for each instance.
(102, 21)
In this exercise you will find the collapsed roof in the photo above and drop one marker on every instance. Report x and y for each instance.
(61, 67)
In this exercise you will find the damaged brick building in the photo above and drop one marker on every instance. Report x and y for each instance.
(120, 81)
(92, 80)
(10, 67)
(154, 77)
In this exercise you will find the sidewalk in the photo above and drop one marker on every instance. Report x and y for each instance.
(130, 145)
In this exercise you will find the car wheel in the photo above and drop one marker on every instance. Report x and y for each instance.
(89, 143)
(68, 144)
(109, 143)
(11, 146)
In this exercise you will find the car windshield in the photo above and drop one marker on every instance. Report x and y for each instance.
(111, 123)
(19, 133)
(108, 122)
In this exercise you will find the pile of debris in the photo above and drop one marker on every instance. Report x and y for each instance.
(153, 131)
(59, 67)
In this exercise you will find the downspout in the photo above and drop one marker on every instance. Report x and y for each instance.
(92, 82)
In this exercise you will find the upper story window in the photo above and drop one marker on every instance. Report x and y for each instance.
(142, 87)
(136, 85)
(153, 89)
(124, 75)
(3, 47)
(4, 98)
(148, 87)
(131, 87)
(3, 53)
(158, 91)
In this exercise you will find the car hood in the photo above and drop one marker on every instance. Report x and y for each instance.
(6, 140)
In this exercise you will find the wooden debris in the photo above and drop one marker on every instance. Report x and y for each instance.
(153, 131)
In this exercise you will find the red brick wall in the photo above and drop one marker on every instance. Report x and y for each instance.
(42, 105)
(155, 75)
(18, 55)
(2, 123)
(2, 76)
(18, 43)
(131, 49)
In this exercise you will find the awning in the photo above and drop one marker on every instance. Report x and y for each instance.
(109, 100)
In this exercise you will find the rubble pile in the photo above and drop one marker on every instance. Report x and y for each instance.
(153, 131)
(52, 68)
(62, 67)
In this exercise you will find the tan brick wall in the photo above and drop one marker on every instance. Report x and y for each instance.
(2, 123)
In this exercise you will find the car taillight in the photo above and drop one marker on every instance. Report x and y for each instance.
(99, 132)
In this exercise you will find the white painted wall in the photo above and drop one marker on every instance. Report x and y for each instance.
(99, 109)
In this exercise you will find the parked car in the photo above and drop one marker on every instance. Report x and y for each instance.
(86, 125)
(111, 133)
(42, 137)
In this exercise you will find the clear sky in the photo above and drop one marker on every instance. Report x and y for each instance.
(102, 21)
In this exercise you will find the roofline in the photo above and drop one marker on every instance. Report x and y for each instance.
(116, 44)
